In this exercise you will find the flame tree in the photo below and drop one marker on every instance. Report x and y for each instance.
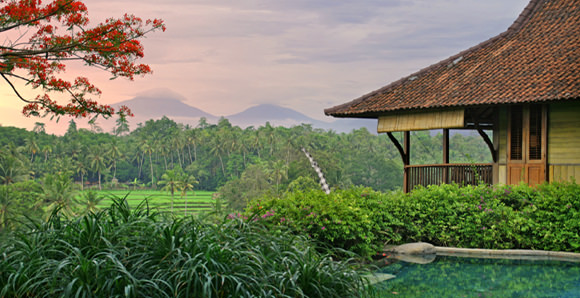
(38, 40)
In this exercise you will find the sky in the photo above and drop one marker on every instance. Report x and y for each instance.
(223, 56)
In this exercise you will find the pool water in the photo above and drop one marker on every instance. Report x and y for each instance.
(474, 277)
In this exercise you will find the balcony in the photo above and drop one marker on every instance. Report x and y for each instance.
(462, 174)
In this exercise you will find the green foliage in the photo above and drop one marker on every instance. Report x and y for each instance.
(217, 154)
(193, 203)
(13, 167)
(253, 184)
(19, 201)
(503, 217)
(347, 219)
(59, 193)
(121, 252)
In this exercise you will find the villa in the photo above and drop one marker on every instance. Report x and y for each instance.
(523, 85)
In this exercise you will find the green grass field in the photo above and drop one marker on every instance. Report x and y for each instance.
(197, 201)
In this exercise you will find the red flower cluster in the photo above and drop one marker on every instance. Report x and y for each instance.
(62, 36)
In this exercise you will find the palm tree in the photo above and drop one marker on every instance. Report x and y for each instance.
(39, 127)
(91, 200)
(58, 192)
(135, 183)
(121, 125)
(187, 182)
(171, 182)
(31, 146)
(6, 206)
(81, 169)
(218, 149)
(177, 145)
(256, 143)
(192, 139)
(279, 171)
(114, 154)
(164, 150)
(75, 148)
(97, 162)
(63, 164)
(12, 169)
(46, 149)
(148, 149)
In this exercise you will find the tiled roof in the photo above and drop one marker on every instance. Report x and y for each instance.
(536, 60)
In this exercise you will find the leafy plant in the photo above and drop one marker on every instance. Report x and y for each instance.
(546, 217)
(347, 219)
(120, 252)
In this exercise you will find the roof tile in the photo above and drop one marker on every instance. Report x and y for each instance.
(536, 60)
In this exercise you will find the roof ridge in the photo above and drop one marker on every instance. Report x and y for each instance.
(515, 27)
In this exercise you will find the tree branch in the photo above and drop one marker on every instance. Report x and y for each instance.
(39, 18)
(15, 90)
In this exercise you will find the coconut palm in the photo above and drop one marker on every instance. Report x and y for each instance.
(192, 138)
(114, 154)
(39, 127)
(12, 169)
(32, 147)
(58, 191)
(96, 159)
(121, 125)
(218, 150)
(47, 150)
(6, 206)
(81, 169)
(148, 149)
(187, 182)
(171, 182)
(278, 172)
(91, 200)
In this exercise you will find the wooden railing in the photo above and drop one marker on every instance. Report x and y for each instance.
(462, 174)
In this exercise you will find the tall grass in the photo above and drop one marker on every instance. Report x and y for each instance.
(120, 252)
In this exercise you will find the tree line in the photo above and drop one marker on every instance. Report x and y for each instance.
(241, 163)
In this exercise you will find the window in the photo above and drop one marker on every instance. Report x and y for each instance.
(535, 133)
(516, 133)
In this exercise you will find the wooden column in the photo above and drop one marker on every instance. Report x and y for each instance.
(445, 154)
(405, 155)
(406, 160)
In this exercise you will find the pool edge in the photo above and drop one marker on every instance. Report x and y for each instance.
(508, 254)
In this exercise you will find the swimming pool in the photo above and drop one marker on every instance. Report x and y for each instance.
(479, 277)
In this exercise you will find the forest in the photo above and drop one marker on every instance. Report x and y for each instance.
(242, 164)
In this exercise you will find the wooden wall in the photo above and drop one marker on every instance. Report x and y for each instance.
(409, 121)
(500, 169)
(564, 142)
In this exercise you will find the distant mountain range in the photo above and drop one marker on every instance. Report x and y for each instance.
(148, 107)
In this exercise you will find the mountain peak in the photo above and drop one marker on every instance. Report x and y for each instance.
(269, 112)
(150, 106)
(154, 104)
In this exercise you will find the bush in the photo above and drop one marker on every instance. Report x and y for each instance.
(135, 253)
(545, 217)
(500, 217)
(347, 219)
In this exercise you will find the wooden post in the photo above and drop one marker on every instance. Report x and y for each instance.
(405, 155)
(445, 154)
(406, 160)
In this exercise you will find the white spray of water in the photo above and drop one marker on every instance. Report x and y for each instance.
(314, 165)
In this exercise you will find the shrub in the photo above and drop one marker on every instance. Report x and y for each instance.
(497, 217)
(545, 217)
(347, 219)
(120, 252)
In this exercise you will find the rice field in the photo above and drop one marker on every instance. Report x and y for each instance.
(193, 202)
